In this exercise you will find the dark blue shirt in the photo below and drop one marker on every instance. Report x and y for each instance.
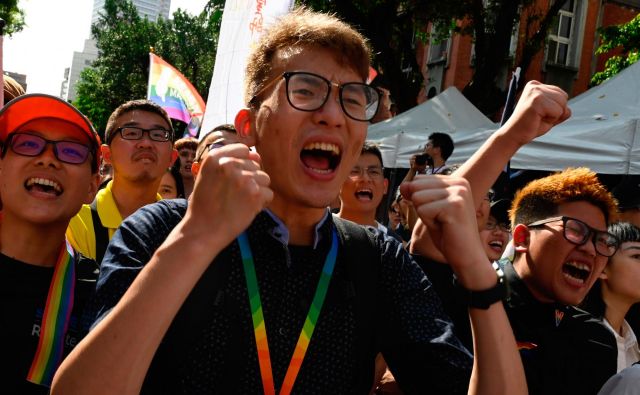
(210, 346)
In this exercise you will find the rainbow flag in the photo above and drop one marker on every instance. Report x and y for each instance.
(173, 92)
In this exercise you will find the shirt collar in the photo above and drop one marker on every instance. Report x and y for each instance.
(519, 294)
(280, 231)
(107, 209)
(627, 339)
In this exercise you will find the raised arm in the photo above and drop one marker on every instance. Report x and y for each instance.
(113, 359)
(539, 109)
(445, 205)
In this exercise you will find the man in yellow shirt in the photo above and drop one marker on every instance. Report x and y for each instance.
(139, 146)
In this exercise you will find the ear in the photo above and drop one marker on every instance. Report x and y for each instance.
(386, 186)
(93, 188)
(603, 275)
(243, 123)
(174, 156)
(106, 153)
(195, 168)
(521, 238)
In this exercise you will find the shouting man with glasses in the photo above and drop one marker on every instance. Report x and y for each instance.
(252, 286)
(364, 189)
(561, 247)
(49, 168)
(139, 146)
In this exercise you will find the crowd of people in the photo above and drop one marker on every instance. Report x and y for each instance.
(146, 264)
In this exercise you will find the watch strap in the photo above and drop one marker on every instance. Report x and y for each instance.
(485, 298)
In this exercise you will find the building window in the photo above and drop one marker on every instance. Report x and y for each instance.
(562, 36)
(438, 49)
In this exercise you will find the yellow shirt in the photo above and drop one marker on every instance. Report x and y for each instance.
(80, 232)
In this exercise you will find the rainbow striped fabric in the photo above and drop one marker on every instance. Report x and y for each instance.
(173, 92)
(55, 319)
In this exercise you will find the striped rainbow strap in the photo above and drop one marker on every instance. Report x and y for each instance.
(257, 316)
(55, 319)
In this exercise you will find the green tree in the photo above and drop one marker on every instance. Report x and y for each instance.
(124, 39)
(624, 38)
(12, 15)
(394, 26)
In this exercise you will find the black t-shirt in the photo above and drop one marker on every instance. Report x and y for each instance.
(23, 295)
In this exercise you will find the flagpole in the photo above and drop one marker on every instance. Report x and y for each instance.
(509, 106)
(2, 24)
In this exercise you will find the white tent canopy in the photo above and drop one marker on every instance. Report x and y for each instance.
(601, 134)
(449, 112)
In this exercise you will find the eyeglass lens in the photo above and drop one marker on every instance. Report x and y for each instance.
(579, 233)
(65, 151)
(493, 225)
(309, 92)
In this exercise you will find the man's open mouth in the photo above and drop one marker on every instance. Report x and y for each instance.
(43, 185)
(364, 194)
(496, 245)
(322, 158)
(576, 271)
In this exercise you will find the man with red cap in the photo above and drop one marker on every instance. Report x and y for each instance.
(49, 168)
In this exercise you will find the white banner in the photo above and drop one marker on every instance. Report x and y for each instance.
(243, 21)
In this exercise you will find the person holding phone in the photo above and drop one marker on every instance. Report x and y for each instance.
(433, 159)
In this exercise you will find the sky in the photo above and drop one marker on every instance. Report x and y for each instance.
(55, 29)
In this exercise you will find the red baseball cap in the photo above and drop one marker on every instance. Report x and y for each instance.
(33, 106)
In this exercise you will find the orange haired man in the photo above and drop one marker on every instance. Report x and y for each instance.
(561, 246)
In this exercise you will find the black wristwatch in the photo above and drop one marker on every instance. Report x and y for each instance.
(485, 298)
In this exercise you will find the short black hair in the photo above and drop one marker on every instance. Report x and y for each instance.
(625, 231)
(132, 105)
(370, 148)
(444, 142)
(225, 127)
(174, 170)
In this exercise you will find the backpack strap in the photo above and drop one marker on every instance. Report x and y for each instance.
(362, 258)
(101, 233)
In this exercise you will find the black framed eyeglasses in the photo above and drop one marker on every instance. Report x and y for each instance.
(373, 172)
(578, 233)
(309, 92)
(136, 133)
(491, 225)
(27, 144)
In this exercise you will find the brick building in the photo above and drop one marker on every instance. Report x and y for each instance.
(567, 59)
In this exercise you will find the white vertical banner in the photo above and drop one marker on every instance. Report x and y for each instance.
(243, 22)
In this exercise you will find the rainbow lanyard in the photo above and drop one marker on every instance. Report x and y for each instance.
(257, 316)
(55, 319)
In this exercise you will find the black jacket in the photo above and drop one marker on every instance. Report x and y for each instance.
(564, 350)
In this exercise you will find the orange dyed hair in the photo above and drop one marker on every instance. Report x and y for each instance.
(540, 198)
